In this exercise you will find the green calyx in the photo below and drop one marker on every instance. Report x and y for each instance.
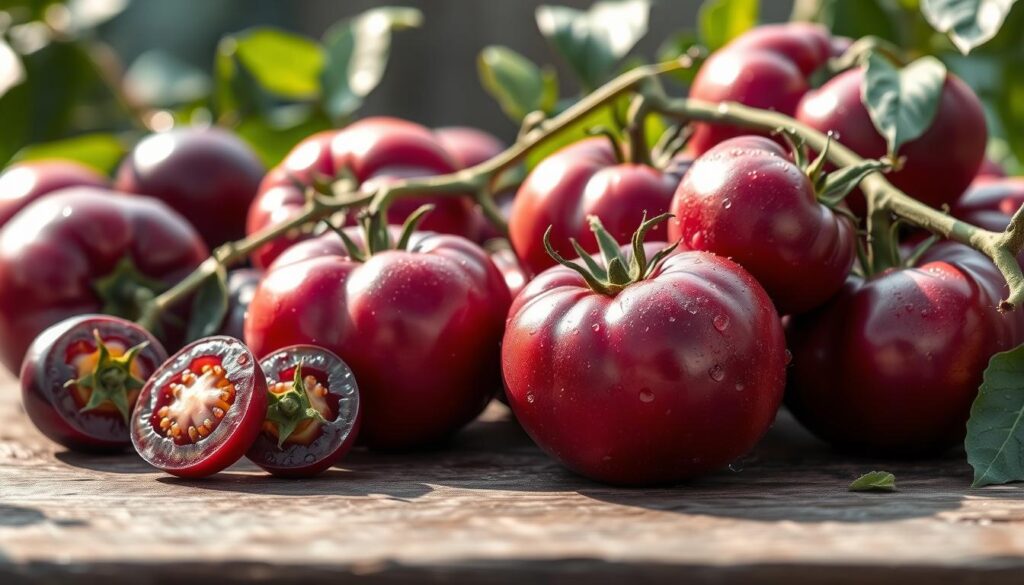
(111, 380)
(126, 292)
(377, 234)
(289, 409)
(832, 187)
(616, 271)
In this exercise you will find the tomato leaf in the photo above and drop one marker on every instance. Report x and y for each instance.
(720, 21)
(12, 72)
(874, 481)
(968, 23)
(274, 133)
(902, 103)
(284, 64)
(209, 306)
(357, 55)
(518, 85)
(100, 151)
(995, 431)
(593, 41)
(159, 79)
(853, 18)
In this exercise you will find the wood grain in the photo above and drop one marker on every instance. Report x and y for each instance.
(493, 509)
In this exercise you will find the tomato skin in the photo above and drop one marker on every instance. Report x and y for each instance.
(990, 203)
(579, 180)
(51, 406)
(280, 196)
(54, 250)
(767, 67)
(470, 147)
(419, 328)
(891, 365)
(940, 164)
(208, 175)
(23, 183)
(675, 376)
(745, 200)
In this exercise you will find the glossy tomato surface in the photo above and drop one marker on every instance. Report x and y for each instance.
(990, 203)
(420, 328)
(331, 390)
(208, 175)
(84, 250)
(579, 180)
(57, 391)
(745, 200)
(939, 165)
(202, 410)
(891, 365)
(767, 67)
(674, 376)
(23, 183)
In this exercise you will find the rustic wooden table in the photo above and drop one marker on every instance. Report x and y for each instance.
(494, 509)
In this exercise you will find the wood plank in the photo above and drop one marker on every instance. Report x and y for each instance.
(493, 509)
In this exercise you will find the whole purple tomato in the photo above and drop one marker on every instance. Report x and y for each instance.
(671, 368)
(208, 175)
(23, 183)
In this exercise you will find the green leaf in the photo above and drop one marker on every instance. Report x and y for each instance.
(593, 41)
(237, 92)
(854, 18)
(209, 306)
(273, 134)
(995, 431)
(518, 85)
(159, 79)
(968, 23)
(720, 21)
(602, 117)
(675, 46)
(100, 151)
(875, 481)
(902, 103)
(284, 64)
(12, 72)
(357, 54)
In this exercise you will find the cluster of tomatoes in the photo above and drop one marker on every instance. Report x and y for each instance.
(644, 326)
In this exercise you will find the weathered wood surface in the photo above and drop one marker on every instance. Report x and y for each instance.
(493, 509)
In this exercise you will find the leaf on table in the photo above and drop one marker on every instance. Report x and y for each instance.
(968, 23)
(995, 431)
(874, 481)
(902, 102)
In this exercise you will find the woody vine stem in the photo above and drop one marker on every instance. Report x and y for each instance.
(885, 202)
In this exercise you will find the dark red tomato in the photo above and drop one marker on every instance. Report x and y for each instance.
(297, 441)
(81, 377)
(676, 375)
(420, 328)
(991, 203)
(767, 68)
(241, 288)
(891, 365)
(23, 183)
(745, 200)
(281, 194)
(940, 164)
(508, 263)
(990, 169)
(84, 250)
(208, 175)
(470, 147)
(202, 410)
(579, 180)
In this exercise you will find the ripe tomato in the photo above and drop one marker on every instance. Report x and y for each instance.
(420, 328)
(313, 415)
(666, 376)
(208, 175)
(939, 165)
(202, 410)
(579, 180)
(81, 377)
(892, 364)
(745, 200)
(23, 183)
(84, 250)
(990, 203)
(470, 147)
(241, 288)
(767, 67)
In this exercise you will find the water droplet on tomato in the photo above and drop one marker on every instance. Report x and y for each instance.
(726, 203)
(697, 240)
(646, 395)
(789, 357)
(242, 359)
(717, 373)
(721, 322)
(740, 387)
(596, 326)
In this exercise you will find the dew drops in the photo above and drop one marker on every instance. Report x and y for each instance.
(530, 397)
(671, 319)
(646, 395)
(740, 387)
(697, 240)
(789, 357)
(721, 322)
(242, 359)
(596, 326)
(726, 203)
(309, 458)
(717, 373)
